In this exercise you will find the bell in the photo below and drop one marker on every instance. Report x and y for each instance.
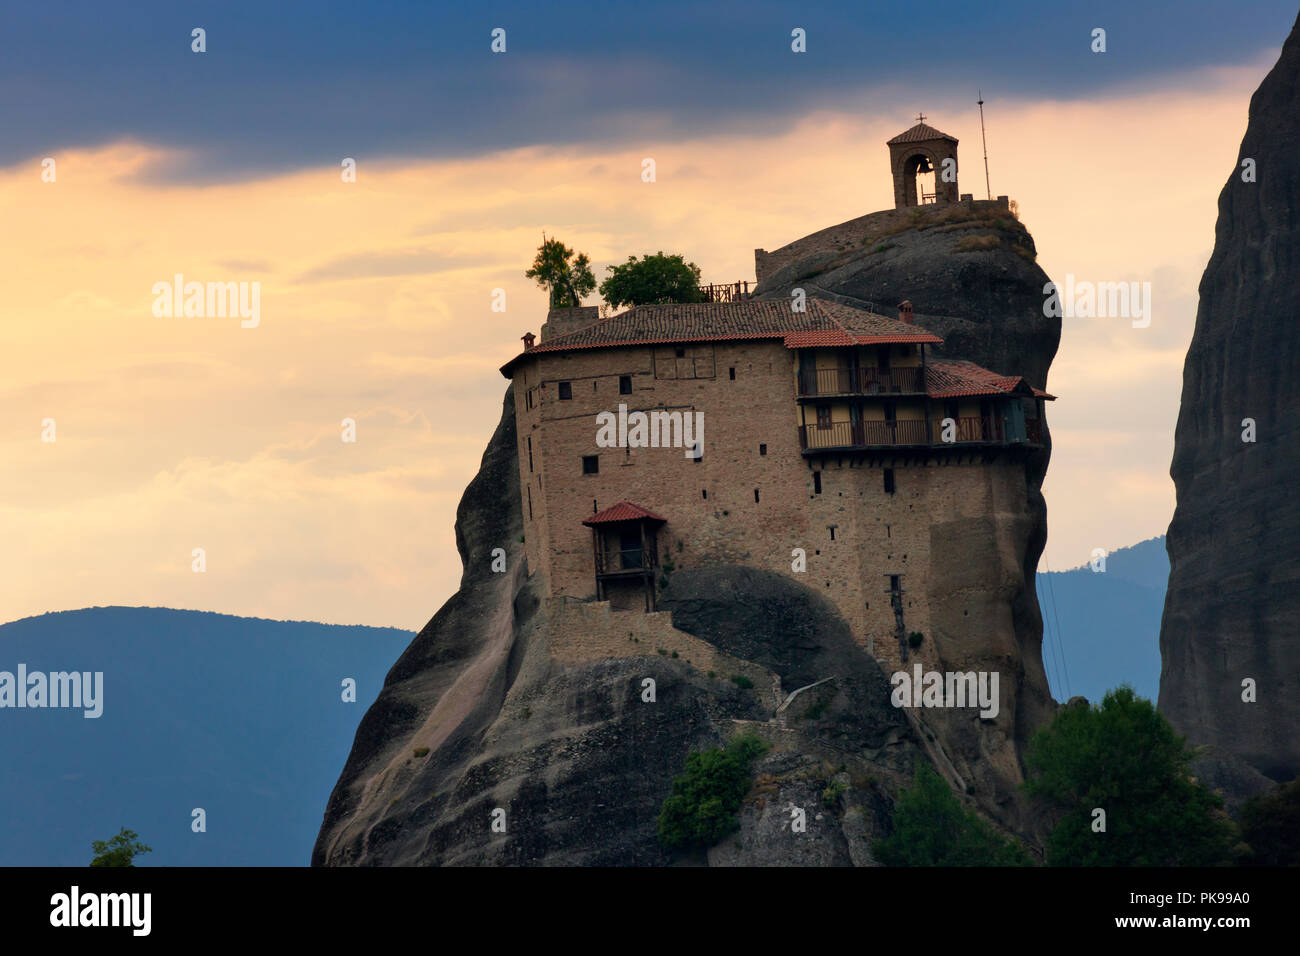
(925, 166)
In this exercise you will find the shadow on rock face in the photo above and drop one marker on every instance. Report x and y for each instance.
(790, 629)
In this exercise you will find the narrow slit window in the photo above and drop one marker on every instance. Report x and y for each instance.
(530, 454)
(530, 503)
(893, 583)
(762, 449)
(832, 532)
(889, 481)
(731, 372)
(755, 495)
(817, 482)
(704, 493)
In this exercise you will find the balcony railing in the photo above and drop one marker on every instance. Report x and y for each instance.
(875, 434)
(861, 381)
(725, 292)
(619, 561)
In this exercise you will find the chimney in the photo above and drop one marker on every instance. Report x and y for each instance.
(529, 339)
(905, 311)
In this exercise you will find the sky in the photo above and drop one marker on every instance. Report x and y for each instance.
(177, 433)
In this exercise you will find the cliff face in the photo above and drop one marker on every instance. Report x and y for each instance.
(1232, 610)
(969, 271)
(572, 752)
(580, 761)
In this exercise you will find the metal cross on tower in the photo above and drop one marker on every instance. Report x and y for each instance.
(920, 117)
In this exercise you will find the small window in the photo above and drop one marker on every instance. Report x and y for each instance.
(817, 482)
(731, 372)
(755, 495)
(530, 503)
(704, 493)
(530, 454)
(681, 353)
(625, 384)
(593, 384)
(893, 582)
(590, 464)
(823, 416)
(832, 532)
(762, 449)
(889, 481)
(566, 391)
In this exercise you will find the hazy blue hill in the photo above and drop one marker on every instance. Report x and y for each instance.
(1109, 623)
(240, 716)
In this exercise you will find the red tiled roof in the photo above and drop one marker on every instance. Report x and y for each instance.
(919, 134)
(623, 511)
(960, 378)
(821, 323)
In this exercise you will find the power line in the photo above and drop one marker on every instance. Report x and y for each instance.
(1060, 643)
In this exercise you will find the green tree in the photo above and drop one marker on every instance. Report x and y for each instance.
(652, 279)
(567, 280)
(1123, 757)
(932, 828)
(120, 850)
(1270, 826)
(702, 807)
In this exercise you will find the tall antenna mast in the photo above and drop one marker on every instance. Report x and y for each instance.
(987, 189)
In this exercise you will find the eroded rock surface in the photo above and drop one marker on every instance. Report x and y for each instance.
(1232, 610)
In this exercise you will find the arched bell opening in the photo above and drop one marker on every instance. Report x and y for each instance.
(919, 177)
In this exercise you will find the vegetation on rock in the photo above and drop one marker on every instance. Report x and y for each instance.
(652, 280)
(1124, 758)
(702, 807)
(1270, 826)
(932, 828)
(567, 280)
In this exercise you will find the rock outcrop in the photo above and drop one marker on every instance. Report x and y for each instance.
(1232, 611)
(969, 271)
(490, 709)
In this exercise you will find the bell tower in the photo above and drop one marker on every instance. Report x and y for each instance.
(923, 149)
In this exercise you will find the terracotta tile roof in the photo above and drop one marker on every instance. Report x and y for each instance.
(918, 134)
(623, 511)
(821, 324)
(961, 378)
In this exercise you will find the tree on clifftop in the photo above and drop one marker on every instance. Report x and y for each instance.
(1123, 757)
(652, 280)
(567, 281)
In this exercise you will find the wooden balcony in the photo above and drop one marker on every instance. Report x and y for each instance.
(841, 436)
(906, 380)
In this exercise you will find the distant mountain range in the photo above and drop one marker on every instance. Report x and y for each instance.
(241, 717)
(1102, 629)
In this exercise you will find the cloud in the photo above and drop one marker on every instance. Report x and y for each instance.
(180, 433)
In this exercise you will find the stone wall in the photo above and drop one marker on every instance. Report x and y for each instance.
(592, 630)
(854, 535)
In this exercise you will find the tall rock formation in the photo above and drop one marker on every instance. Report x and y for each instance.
(1232, 611)
(488, 710)
(969, 271)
